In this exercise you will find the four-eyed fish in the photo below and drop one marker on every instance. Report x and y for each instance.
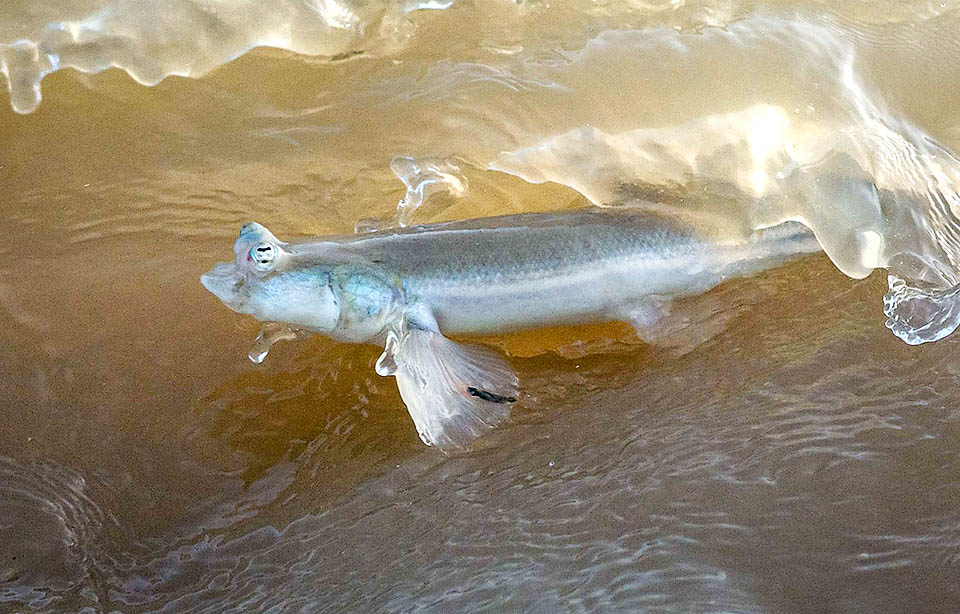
(407, 288)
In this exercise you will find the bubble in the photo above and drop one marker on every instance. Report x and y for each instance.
(270, 334)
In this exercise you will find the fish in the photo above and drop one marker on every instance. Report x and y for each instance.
(409, 289)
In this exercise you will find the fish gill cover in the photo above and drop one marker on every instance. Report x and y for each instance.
(802, 119)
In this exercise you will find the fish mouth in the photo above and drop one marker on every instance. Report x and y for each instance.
(221, 281)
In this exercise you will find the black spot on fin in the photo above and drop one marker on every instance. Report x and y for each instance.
(489, 396)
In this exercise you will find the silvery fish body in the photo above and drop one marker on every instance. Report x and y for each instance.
(408, 287)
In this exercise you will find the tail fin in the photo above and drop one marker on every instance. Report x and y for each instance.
(786, 238)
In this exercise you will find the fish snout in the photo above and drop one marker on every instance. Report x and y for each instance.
(222, 281)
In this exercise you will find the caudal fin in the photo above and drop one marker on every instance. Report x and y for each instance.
(786, 239)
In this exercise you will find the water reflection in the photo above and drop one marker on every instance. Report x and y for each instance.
(795, 457)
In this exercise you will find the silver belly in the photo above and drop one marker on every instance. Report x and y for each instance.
(593, 293)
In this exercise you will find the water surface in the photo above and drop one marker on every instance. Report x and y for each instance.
(803, 459)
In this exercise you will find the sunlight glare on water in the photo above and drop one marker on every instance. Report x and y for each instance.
(800, 458)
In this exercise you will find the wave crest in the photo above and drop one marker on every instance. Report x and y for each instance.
(151, 41)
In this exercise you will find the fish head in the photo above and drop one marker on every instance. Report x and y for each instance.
(266, 282)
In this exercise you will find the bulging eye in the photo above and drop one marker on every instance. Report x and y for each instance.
(262, 255)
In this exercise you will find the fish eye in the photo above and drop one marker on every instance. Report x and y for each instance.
(262, 255)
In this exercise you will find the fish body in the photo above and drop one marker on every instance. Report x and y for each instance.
(515, 272)
(409, 287)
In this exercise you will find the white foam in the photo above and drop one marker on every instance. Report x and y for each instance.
(152, 40)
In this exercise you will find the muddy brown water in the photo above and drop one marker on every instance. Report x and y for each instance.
(802, 460)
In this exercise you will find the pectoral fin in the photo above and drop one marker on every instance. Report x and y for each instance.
(454, 392)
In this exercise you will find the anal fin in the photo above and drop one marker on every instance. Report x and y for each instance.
(681, 325)
(646, 317)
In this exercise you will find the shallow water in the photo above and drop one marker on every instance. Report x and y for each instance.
(805, 459)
